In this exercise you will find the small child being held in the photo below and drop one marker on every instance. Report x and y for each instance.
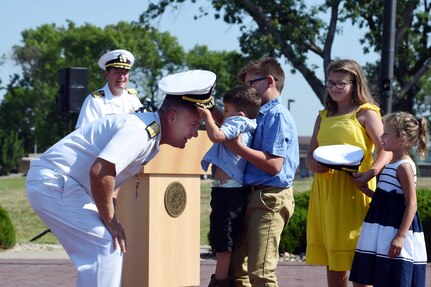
(228, 197)
(391, 247)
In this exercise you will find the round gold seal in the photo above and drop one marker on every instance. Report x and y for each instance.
(175, 199)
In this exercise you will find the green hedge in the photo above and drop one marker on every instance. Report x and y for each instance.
(293, 238)
(424, 210)
(7, 231)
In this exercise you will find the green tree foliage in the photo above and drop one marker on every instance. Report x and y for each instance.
(225, 64)
(11, 152)
(412, 47)
(297, 31)
(2, 61)
(30, 105)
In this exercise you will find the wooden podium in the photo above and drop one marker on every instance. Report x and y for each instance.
(160, 211)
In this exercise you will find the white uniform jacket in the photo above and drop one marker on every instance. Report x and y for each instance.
(102, 103)
(123, 140)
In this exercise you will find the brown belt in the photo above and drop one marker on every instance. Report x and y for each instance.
(260, 187)
(251, 188)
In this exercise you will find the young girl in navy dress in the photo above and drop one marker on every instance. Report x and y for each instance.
(391, 247)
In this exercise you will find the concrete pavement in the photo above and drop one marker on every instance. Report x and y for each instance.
(50, 266)
(61, 273)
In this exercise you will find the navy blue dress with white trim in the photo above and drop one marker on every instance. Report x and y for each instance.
(371, 263)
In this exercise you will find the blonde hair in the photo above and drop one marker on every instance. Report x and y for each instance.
(361, 94)
(413, 131)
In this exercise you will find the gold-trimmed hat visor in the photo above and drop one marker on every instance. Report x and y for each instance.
(206, 103)
(119, 65)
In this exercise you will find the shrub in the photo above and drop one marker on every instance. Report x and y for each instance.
(293, 239)
(424, 210)
(7, 231)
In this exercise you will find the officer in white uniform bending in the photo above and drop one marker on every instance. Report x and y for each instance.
(114, 98)
(71, 186)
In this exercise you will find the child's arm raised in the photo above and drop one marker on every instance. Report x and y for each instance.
(213, 131)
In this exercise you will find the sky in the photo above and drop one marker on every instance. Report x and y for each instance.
(217, 35)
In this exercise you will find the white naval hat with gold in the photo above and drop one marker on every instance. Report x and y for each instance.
(340, 157)
(195, 86)
(119, 58)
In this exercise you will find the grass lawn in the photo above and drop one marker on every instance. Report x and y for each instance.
(28, 224)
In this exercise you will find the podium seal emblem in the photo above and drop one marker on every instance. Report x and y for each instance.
(175, 199)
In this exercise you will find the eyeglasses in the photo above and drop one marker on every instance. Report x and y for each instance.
(251, 82)
(339, 85)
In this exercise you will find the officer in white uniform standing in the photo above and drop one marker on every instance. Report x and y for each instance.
(72, 185)
(114, 98)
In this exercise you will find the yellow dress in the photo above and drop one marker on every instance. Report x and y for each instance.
(337, 207)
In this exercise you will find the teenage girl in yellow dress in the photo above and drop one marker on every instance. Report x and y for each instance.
(337, 206)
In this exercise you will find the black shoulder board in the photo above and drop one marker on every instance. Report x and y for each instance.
(153, 129)
(98, 94)
(132, 92)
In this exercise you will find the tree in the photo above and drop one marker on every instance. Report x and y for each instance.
(30, 104)
(412, 47)
(2, 61)
(11, 152)
(156, 53)
(224, 64)
(294, 30)
(17, 114)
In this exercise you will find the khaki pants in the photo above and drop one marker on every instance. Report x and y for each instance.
(256, 257)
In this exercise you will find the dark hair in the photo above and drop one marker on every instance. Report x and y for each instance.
(361, 93)
(264, 67)
(244, 99)
(413, 131)
(172, 102)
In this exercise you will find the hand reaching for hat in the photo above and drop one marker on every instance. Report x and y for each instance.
(204, 113)
(319, 168)
(362, 178)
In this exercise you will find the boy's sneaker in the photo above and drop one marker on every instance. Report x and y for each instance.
(218, 283)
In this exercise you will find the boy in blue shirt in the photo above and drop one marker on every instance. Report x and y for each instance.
(272, 162)
(228, 197)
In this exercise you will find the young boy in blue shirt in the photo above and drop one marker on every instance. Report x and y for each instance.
(228, 197)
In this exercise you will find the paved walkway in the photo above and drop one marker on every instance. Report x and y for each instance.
(61, 273)
(52, 268)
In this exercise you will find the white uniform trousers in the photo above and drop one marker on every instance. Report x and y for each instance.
(70, 213)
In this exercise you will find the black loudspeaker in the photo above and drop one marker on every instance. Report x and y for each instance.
(73, 84)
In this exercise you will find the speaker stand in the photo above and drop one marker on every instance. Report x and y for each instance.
(40, 235)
